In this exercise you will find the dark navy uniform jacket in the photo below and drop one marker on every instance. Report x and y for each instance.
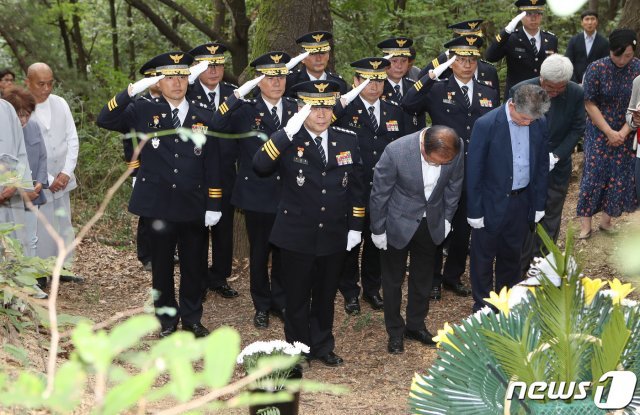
(176, 181)
(252, 191)
(412, 121)
(444, 102)
(487, 73)
(300, 74)
(319, 204)
(355, 117)
(522, 64)
(128, 144)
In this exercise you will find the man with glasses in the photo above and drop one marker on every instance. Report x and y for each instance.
(566, 120)
(507, 169)
(457, 103)
(525, 48)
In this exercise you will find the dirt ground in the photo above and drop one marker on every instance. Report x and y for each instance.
(378, 382)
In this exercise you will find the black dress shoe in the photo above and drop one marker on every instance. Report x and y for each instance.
(331, 359)
(261, 319)
(423, 336)
(71, 278)
(197, 329)
(352, 306)
(225, 291)
(167, 331)
(374, 300)
(395, 345)
(457, 288)
(436, 292)
(147, 266)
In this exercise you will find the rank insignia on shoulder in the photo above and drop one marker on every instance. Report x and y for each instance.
(344, 130)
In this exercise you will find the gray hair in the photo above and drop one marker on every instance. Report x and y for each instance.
(557, 69)
(532, 101)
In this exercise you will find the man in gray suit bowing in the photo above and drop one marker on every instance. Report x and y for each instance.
(416, 188)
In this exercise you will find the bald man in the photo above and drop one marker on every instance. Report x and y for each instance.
(61, 140)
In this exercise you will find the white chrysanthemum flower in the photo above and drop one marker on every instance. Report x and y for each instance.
(302, 347)
(629, 303)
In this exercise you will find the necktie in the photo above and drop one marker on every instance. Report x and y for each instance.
(323, 156)
(533, 45)
(372, 115)
(465, 94)
(276, 119)
(174, 118)
(398, 93)
(212, 100)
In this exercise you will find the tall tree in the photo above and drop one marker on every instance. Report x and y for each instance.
(114, 35)
(78, 43)
(630, 17)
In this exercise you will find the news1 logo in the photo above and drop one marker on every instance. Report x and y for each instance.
(623, 385)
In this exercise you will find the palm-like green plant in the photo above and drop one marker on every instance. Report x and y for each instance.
(574, 332)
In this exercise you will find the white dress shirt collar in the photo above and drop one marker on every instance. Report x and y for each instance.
(313, 78)
(183, 109)
(393, 85)
(468, 84)
(278, 107)
(325, 140)
(207, 90)
(376, 108)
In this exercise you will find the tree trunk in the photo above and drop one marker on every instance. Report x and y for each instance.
(131, 45)
(172, 35)
(631, 18)
(114, 35)
(593, 5)
(76, 36)
(239, 42)
(64, 33)
(399, 6)
(612, 10)
(13, 45)
(221, 13)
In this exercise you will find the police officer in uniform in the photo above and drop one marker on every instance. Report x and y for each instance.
(209, 89)
(377, 122)
(486, 72)
(457, 103)
(320, 215)
(524, 48)
(257, 195)
(314, 66)
(178, 185)
(398, 51)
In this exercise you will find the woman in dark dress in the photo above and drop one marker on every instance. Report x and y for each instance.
(607, 184)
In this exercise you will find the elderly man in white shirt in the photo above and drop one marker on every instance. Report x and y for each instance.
(61, 140)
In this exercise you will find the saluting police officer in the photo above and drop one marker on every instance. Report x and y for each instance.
(320, 215)
(314, 66)
(259, 195)
(209, 89)
(398, 51)
(177, 188)
(377, 122)
(457, 103)
(524, 48)
(485, 73)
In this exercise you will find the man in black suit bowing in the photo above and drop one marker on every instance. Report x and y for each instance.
(587, 46)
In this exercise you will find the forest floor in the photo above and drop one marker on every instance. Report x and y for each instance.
(378, 383)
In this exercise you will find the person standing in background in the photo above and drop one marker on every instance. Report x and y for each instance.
(586, 47)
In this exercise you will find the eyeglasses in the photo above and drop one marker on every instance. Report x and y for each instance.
(466, 61)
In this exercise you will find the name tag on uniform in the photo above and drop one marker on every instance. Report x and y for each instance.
(300, 160)
(344, 158)
(520, 49)
(550, 52)
(448, 101)
(486, 102)
(392, 125)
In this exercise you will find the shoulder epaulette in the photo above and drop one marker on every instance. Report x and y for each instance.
(343, 130)
(388, 101)
(549, 33)
(142, 98)
(411, 81)
(335, 75)
(249, 100)
(291, 99)
(229, 84)
(482, 60)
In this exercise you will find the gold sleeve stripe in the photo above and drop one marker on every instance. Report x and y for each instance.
(333, 118)
(358, 215)
(498, 38)
(270, 152)
(418, 85)
(112, 104)
(435, 63)
(223, 108)
(133, 164)
(358, 212)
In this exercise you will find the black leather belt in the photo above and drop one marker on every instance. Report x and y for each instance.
(518, 191)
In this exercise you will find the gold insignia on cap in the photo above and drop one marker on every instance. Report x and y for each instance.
(533, 2)
(321, 87)
(318, 37)
(472, 25)
(213, 49)
(375, 64)
(401, 42)
(276, 58)
(176, 58)
(471, 40)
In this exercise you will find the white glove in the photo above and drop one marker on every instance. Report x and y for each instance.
(295, 123)
(552, 161)
(212, 218)
(514, 22)
(380, 241)
(388, 57)
(440, 69)
(248, 86)
(351, 95)
(353, 239)
(293, 62)
(143, 84)
(447, 227)
(196, 70)
(539, 215)
(133, 182)
(476, 223)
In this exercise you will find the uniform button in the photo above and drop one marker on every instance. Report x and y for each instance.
(370, 183)
(466, 153)
(277, 177)
(373, 168)
(285, 211)
(176, 140)
(320, 225)
(175, 155)
(322, 209)
(175, 170)
(535, 70)
(375, 153)
(375, 137)
(324, 173)
(469, 114)
(448, 110)
(536, 59)
(173, 185)
(324, 191)
(143, 179)
(246, 178)
(468, 128)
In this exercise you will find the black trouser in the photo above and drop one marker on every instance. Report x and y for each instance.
(458, 248)
(265, 294)
(310, 285)
(191, 238)
(422, 250)
(504, 246)
(142, 240)
(221, 248)
(368, 271)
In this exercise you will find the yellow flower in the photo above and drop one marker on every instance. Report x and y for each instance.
(620, 290)
(500, 301)
(418, 386)
(443, 338)
(591, 288)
